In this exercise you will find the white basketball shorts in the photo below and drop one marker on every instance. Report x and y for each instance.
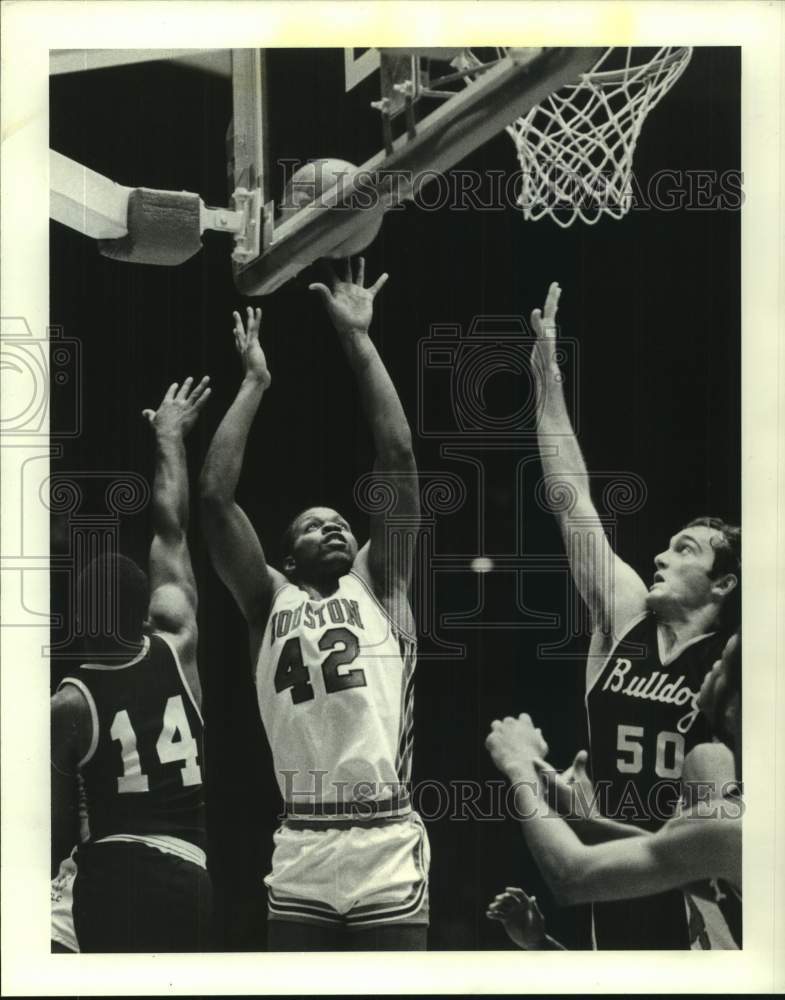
(63, 905)
(354, 876)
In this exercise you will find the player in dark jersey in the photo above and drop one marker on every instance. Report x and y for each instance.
(650, 649)
(127, 737)
(333, 650)
(699, 849)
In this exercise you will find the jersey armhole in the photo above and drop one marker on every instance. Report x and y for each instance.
(81, 686)
(598, 671)
(173, 650)
(398, 629)
(274, 598)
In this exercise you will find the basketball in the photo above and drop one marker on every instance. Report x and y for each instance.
(315, 178)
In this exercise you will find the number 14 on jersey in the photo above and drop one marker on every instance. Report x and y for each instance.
(176, 742)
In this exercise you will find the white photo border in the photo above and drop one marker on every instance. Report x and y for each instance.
(30, 29)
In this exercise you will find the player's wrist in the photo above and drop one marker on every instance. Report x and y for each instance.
(169, 435)
(353, 331)
(521, 773)
(358, 348)
(525, 937)
(255, 381)
(536, 944)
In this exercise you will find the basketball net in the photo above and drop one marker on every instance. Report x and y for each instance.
(576, 147)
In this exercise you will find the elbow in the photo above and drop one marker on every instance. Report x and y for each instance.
(213, 507)
(213, 494)
(172, 532)
(398, 452)
(564, 895)
(566, 887)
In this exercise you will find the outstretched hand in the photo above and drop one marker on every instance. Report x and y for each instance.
(349, 304)
(544, 320)
(246, 340)
(521, 917)
(179, 408)
(515, 744)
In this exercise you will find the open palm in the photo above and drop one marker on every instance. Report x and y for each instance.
(246, 340)
(180, 407)
(349, 304)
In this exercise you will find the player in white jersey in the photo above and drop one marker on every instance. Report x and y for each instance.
(333, 651)
(699, 850)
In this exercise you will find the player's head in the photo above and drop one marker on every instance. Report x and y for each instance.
(720, 695)
(113, 600)
(701, 568)
(318, 545)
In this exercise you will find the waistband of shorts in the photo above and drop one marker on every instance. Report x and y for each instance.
(161, 842)
(345, 823)
(357, 813)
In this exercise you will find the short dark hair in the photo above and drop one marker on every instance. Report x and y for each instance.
(287, 538)
(727, 559)
(113, 598)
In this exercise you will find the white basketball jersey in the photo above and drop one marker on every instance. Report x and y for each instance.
(334, 683)
(714, 914)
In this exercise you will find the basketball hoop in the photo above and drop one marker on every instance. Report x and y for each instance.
(576, 147)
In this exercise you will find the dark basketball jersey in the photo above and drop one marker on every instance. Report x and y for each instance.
(143, 772)
(643, 721)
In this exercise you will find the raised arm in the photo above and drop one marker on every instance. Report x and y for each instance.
(683, 851)
(173, 597)
(350, 307)
(234, 546)
(611, 589)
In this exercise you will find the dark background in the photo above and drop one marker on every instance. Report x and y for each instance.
(654, 303)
